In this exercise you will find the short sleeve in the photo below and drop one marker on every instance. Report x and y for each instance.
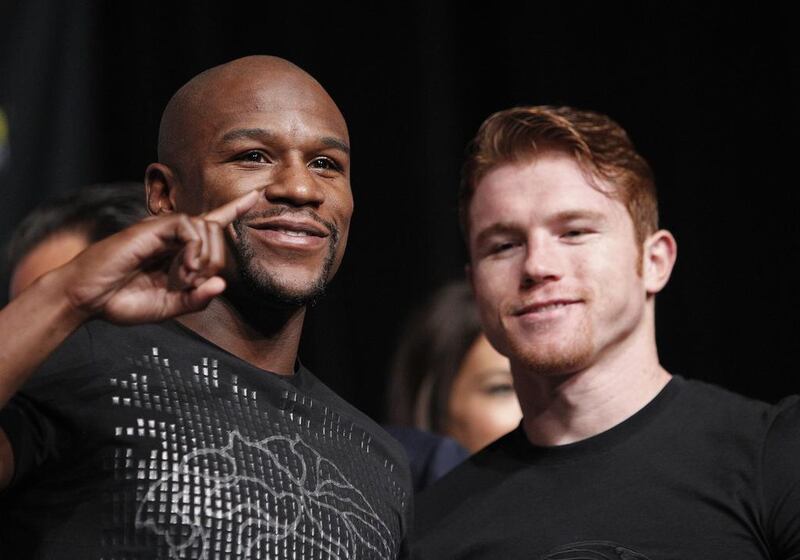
(781, 481)
(31, 420)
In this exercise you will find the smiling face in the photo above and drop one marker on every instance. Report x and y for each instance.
(262, 124)
(554, 265)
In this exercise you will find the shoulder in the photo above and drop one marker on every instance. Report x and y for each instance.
(718, 425)
(772, 428)
(98, 344)
(722, 407)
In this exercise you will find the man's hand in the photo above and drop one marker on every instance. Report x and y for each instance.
(157, 269)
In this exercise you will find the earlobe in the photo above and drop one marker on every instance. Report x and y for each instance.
(659, 253)
(160, 182)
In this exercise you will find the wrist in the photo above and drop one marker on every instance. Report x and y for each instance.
(57, 288)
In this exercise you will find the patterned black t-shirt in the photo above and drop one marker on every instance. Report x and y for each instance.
(150, 442)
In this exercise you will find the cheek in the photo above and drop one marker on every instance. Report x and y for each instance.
(616, 286)
(218, 187)
(493, 283)
(493, 294)
(340, 200)
(616, 265)
(344, 213)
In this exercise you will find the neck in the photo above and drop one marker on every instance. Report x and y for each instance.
(265, 338)
(562, 408)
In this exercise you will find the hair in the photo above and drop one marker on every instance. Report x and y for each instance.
(599, 145)
(432, 347)
(96, 211)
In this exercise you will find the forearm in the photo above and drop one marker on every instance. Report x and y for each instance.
(32, 326)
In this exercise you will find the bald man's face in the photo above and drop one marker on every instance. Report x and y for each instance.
(280, 133)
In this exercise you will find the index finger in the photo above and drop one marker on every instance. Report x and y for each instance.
(229, 211)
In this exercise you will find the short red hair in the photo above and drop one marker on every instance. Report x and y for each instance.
(599, 145)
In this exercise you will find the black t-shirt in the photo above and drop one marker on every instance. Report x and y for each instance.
(151, 442)
(698, 473)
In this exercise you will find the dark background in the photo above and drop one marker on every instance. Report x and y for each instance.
(709, 95)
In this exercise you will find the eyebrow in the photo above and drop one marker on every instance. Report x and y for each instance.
(335, 143)
(247, 134)
(570, 215)
(263, 133)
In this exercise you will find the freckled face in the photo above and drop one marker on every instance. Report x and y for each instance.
(483, 405)
(283, 134)
(554, 265)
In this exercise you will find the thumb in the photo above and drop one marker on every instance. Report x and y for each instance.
(199, 297)
(192, 299)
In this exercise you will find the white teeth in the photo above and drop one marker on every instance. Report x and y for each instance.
(551, 306)
(294, 233)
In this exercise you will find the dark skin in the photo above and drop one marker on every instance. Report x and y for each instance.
(266, 125)
(152, 271)
(239, 142)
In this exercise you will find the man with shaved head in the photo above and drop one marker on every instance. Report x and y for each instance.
(203, 436)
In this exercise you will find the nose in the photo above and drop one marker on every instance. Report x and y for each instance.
(294, 184)
(542, 262)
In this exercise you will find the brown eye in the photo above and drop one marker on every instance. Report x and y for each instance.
(254, 157)
(325, 163)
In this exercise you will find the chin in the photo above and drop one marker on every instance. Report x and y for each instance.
(558, 356)
(264, 286)
(278, 292)
(562, 364)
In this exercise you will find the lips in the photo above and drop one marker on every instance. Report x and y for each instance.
(291, 232)
(544, 307)
(292, 227)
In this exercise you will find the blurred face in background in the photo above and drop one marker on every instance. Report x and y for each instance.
(56, 250)
(482, 405)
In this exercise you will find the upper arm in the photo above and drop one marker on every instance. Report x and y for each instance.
(31, 429)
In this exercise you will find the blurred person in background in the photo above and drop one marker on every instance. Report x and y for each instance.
(447, 379)
(56, 231)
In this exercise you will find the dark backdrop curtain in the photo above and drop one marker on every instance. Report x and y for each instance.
(708, 93)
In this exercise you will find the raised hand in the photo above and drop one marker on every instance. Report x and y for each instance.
(157, 269)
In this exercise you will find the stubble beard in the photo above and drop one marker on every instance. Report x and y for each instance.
(261, 287)
(553, 356)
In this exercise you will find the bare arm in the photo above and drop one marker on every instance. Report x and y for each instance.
(155, 270)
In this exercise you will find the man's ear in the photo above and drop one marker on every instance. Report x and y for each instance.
(658, 255)
(160, 184)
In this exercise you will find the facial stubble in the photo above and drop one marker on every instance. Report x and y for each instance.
(261, 285)
(545, 355)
